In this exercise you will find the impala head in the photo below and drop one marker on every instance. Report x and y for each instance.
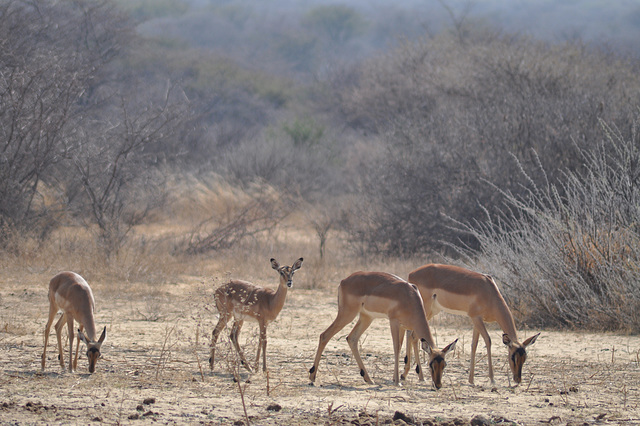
(286, 272)
(517, 354)
(436, 361)
(93, 348)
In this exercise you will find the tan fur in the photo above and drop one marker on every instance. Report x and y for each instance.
(378, 294)
(243, 300)
(461, 291)
(70, 294)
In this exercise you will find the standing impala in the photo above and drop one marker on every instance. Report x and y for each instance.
(244, 300)
(463, 292)
(70, 293)
(379, 295)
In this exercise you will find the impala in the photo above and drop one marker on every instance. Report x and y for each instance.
(379, 295)
(463, 292)
(243, 300)
(70, 293)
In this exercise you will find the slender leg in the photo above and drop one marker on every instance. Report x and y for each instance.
(416, 350)
(407, 357)
(397, 334)
(71, 336)
(363, 323)
(263, 343)
(222, 322)
(235, 332)
(338, 324)
(58, 327)
(52, 314)
(479, 327)
(75, 360)
(474, 347)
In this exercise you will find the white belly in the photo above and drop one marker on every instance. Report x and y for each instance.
(373, 314)
(437, 307)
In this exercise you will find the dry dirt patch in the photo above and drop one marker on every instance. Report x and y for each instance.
(155, 369)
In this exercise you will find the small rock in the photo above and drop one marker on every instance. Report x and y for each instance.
(401, 416)
(274, 407)
(148, 401)
(134, 416)
(480, 420)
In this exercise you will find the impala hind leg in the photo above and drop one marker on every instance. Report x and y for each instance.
(222, 323)
(47, 329)
(363, 323)
(338, 324)
(235, 332)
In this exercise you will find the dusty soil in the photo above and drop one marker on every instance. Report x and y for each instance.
(154, 368)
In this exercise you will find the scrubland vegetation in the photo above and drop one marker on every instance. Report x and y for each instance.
(147, 157)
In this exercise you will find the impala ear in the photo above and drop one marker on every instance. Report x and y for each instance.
(505, 339)
(82, 337)
(103, 335)
(425, 346)
(531, 340)
(274, 264)
(297, 265)
(450, 347)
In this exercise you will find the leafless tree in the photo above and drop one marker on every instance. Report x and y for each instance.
(50, 55)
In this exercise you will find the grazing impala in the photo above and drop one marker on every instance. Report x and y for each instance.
(380, 295)
(70, 293)
(244, 300)
(463, 292)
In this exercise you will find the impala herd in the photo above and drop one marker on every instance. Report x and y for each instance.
(407, 304)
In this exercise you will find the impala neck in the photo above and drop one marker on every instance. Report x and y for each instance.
(279, 297)
(423, 331)
(505, 320)
(89, 327)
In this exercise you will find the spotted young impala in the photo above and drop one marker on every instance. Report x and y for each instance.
(381, 295)
(243, 300)
(70, 293)
(460, 291)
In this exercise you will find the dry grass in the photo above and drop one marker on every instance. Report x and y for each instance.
(157, 305)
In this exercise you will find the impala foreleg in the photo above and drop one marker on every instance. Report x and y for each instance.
(75, 360)
(353, 338)
(416, 350)
(61, 322)
(262, 344)
(412, 349)
(480, 329)
(397, 335)
(71, 336)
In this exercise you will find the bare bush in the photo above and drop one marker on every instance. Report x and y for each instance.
(261, 212)
(568, 254)
(452, 111)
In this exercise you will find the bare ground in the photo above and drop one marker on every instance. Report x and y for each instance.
(154, 368)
